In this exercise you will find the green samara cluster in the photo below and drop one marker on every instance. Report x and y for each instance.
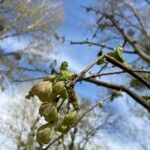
(59, 103)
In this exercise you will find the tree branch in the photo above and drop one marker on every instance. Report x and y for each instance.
(90, 109)
(29, 80)
(85, 70)
(129, 39)
(117, 72)
(134, 95)
(127, 69)
(85, 42)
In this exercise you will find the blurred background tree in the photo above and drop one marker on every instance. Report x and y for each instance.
(31, 25)
(94, 123)
(27, 35)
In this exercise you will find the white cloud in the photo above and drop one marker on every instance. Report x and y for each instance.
(73, 64)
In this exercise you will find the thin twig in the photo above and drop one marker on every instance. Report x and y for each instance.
(29, 80)
(116, 72)
(82, 116)
(85, 71)
(128, 38)
(123, 88)
(36, 69)
(91, 43)
(85, 113)
(97, 44)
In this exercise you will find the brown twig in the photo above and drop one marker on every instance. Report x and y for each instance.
(128, 38)
(29, 80)
(99, 45)
(134, 95)
(84, 71)
(117, 72)
(91, 43)
(34, 70)
(85, 113)
(127, 69)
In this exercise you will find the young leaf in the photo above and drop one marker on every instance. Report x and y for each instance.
(118, 54)
(101, 61)
(65, 75)
(64, 66)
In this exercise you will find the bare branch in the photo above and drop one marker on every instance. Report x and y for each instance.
(129, 39)
(29, 80)
(98, 44)
(136, 15)
(134, 95)
(127, 69)
(85, 71)
(90, 109)
(116, 72)
(35, 70)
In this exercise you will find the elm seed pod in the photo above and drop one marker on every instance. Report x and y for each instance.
(44, 134)
(59, 90)
(62, 128)
(70, 119)
(49, 78)
(49, 111)
(43, 90)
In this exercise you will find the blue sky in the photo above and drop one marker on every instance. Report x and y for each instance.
(74, 27)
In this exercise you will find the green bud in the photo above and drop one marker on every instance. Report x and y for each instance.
(44, 134)
(101, 61)
(62, 128)
(64, 65)
(49, 111)
(59, 90)
(43, 90)
(70, 119)
(101, 104)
